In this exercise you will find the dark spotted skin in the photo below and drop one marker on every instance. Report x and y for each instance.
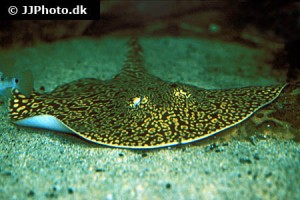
(138, 110)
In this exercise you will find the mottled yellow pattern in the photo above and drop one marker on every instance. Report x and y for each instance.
(138, 110)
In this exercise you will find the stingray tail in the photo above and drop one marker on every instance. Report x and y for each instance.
(134, 63)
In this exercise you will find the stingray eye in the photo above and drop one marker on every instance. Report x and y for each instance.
(2, 79)
(135, 102)
(16, 80)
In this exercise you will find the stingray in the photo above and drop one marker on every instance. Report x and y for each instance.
(137, 110)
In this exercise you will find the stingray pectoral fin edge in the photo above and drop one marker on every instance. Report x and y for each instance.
(45, 122)
(50, 122)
